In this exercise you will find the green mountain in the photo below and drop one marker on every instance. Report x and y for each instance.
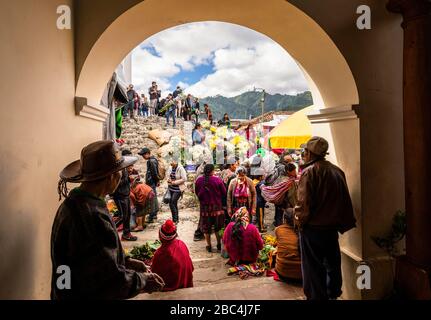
(249, 104)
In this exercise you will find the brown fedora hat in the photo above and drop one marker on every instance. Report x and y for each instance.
(98, 160)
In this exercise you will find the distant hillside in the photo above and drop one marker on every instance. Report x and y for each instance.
(249, 104)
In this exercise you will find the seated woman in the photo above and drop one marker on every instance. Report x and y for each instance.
(242, 239)
(288, 262)
(172, 260)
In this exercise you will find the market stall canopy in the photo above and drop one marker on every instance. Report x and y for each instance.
(292, 132)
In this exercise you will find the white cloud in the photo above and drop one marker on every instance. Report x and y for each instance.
(242, 59)
(183, 85)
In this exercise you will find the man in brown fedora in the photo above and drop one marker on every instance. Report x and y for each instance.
(323, 210)
(88, 261)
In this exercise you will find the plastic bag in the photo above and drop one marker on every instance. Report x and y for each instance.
(167, 197)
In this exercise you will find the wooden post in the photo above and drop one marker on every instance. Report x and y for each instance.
(414, 269)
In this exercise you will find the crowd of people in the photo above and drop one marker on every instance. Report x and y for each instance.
(173, 106)
(312, 206)
(310, 195)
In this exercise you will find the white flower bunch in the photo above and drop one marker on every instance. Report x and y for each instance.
(243, 146)
(268, 163)
(230, 149)
(200, 153)
(230, 134)
(176, 143)
(222, 132)
(206, 124)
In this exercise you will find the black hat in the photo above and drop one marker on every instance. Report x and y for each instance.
(144, 151)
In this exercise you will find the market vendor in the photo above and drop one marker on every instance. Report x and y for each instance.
(241, 239)
(288, 261)
(172, 260)
(84, 240)
(142, 198)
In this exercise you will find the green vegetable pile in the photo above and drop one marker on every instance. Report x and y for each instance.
(221, 232)
(146, 251)
(265, 256)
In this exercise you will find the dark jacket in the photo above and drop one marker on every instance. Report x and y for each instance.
(84, 238)
(176, 93)
(153, 93)
(152, 176)
(324, 199)
(188, 103)
(131, 95)
(260, 201)
(123, 190)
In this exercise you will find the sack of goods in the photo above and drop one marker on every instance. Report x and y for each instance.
(276, 193)
(160, 137)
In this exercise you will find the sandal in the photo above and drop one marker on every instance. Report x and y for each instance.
(209, 249)
(138, 229)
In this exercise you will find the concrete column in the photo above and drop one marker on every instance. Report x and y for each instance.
(413, 270)
(341, 127)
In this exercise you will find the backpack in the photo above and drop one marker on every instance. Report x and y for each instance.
(161, 170)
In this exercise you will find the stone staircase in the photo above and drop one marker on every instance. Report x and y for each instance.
(252, 289)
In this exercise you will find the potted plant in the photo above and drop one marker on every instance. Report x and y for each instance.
(397, 233)
(393, 244)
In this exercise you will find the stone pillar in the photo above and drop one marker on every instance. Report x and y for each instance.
(414, 269)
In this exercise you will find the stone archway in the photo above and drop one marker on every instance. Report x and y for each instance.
(330, 78)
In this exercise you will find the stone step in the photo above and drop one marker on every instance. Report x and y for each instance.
(261, 288)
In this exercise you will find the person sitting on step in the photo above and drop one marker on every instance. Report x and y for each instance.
(242, 239)
(172, 260)
(288, 261)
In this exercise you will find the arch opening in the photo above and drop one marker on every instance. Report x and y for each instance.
(329, 77)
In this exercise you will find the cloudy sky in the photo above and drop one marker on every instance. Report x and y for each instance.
(211, 58)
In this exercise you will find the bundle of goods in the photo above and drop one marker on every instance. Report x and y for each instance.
(276, 193)
(161, 137)
(246, 270)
